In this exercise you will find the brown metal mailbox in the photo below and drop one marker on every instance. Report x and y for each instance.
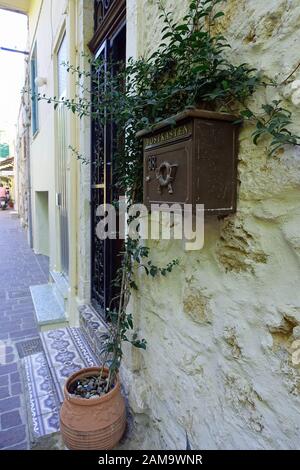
(192, 162)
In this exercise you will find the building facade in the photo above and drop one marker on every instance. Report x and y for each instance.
(218, 365)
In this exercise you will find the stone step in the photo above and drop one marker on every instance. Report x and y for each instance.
(49, 312)
(44, 375)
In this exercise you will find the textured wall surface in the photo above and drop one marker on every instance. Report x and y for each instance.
(220, 329)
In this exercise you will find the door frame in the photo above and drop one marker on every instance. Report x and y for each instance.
(108, 22)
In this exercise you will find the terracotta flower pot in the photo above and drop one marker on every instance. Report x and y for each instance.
(97, 423)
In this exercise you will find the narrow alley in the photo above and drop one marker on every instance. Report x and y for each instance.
(19, 268)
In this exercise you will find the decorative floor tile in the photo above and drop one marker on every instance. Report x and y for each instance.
(94, 331)
(45, 424)
(64, 351)
(39, 380)
(43, 400)
(67, 352)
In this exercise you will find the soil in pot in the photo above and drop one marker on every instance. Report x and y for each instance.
(93, 386)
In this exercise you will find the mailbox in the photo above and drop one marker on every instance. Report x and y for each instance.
(192, 161)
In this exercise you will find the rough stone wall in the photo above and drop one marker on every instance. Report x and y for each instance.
(221, 329)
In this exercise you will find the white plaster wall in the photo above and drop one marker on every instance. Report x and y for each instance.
(46, 20)
(220, 327)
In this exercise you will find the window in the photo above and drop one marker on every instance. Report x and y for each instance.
(34, 91)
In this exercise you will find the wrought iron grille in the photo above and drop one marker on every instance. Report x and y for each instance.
(102, 7)
(101, 184)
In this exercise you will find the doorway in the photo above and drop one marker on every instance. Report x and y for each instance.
(42, 222)
(105, 257)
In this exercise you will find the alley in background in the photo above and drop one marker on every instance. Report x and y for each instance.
(19, 268)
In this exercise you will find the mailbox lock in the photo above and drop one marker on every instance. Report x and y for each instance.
(166, 175)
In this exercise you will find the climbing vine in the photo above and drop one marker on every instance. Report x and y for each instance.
(189, 69)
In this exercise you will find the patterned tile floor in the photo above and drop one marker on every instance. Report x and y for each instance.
(66, 352)
(41, 394)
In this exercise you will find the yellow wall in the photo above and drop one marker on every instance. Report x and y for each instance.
(21, 6)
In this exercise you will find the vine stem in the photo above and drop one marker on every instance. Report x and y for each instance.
(111, 374)
(291, 74)
(103, 365)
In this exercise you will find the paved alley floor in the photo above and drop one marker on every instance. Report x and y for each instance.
(19, 269)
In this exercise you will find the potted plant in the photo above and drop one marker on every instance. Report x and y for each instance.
(93, 414)
(189, 70)
(92, 418)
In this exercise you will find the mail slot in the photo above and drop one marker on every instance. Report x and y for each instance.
(192, 160)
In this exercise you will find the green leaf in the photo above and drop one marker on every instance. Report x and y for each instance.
(256, 135)
(247, 113)
(130, 322)
(140, 344)
(267, 108)
(218, 15)
(167, 35)
(133, 285)
(182, 27)
(225, 84)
